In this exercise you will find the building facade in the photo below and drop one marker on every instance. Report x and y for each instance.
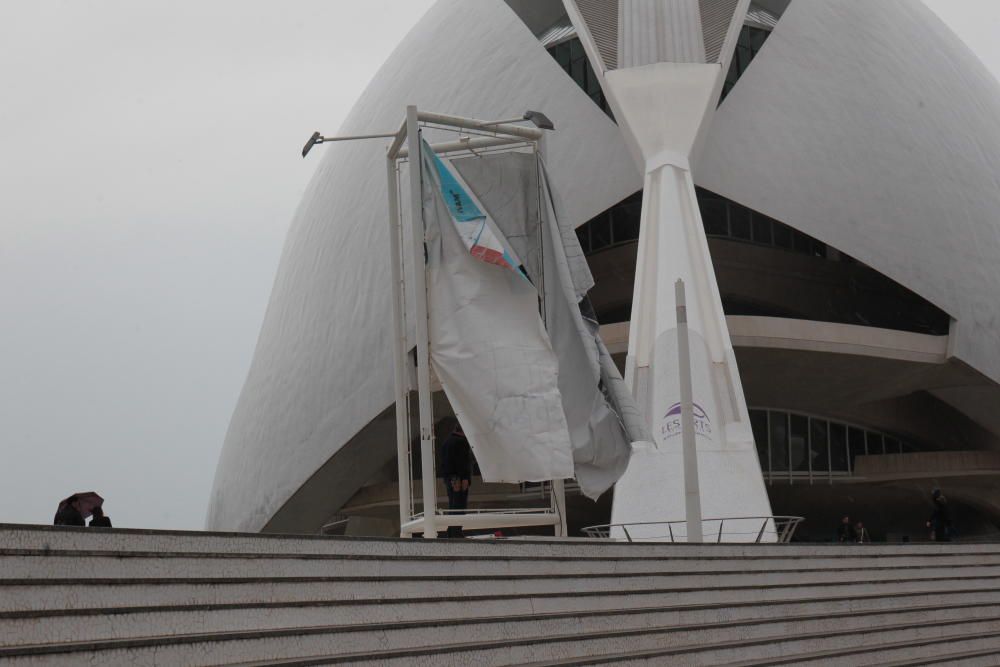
(848, 186)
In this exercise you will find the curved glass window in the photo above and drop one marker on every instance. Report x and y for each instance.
(841, 288)
(572, 58)
(792, 445)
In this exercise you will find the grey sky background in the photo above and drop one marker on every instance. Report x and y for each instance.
(149, 167)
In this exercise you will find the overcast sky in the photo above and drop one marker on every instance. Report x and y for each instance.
(149, 167)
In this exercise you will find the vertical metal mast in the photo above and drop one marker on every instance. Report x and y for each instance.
(399, 346)
(428, 479)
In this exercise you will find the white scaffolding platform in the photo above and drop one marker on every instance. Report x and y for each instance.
(411, 355)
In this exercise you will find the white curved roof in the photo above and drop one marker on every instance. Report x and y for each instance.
(867, 125)
(871, 127)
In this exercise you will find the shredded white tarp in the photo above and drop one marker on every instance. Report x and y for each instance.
(489, 349)
(512, 187)
(600, 446)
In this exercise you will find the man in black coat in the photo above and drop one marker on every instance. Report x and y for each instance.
(940, 521)
(456, 469)
(69, 514)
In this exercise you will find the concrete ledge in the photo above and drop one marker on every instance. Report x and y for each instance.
(812, 336)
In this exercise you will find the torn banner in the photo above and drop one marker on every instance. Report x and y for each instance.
(479, 315)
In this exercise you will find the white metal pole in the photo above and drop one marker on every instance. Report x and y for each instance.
(398, 348)
(692, 492)
(559, 501)
(429, 476)
(558, 485)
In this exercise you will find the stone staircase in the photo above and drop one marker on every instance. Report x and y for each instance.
(134, 597)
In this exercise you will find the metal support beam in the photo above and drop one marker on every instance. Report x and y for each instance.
(400, 375)
(468, 143)
(428, 473)
(559, 504)
(482, 125)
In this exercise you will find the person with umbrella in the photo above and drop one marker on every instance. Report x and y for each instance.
(74, 510)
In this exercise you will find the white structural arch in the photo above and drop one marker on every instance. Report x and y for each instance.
(869, 126)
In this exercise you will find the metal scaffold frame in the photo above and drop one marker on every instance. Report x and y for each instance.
(475, 137)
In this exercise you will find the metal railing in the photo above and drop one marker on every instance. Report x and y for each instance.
(743, 529)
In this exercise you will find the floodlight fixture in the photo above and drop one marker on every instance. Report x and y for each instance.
(540, 120)
(537, 118)
(316, 138)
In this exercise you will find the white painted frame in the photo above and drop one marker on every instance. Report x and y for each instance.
(492, 135)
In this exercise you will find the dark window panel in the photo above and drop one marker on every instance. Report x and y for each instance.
(838, 447)
(713, 216)
(782, 235)
(875, 443)
(798, 443)
(561, 54)
(743, 39)
(779, 442)
(856, 444)
(762, 229)
(756, 38)
(600, 232)
(578, 70)
(802, 242)
(593, 85)
(745, 55)
(625, 227)
(739, 222)
(818, 445)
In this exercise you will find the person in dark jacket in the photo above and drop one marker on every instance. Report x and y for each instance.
(69, 514)
(99, 520)
(940, 521)
(456, 469)
(846, 534)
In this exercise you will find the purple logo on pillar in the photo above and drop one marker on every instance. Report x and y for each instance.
(670, 425)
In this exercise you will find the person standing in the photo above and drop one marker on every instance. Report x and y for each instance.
(69, 513)
(99, 520)
(845, 533)
(456, 469)
(940, 521)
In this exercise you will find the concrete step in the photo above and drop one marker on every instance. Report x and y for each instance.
(650, 648)
(31, 563)
(110, 597)
(123, 622)
(949, 650)
(86, 565)
(974, 658)
(41, 594)
(555, 636)
(54, 538)
(953, 649)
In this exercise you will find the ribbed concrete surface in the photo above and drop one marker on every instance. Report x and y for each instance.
(85, 596)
